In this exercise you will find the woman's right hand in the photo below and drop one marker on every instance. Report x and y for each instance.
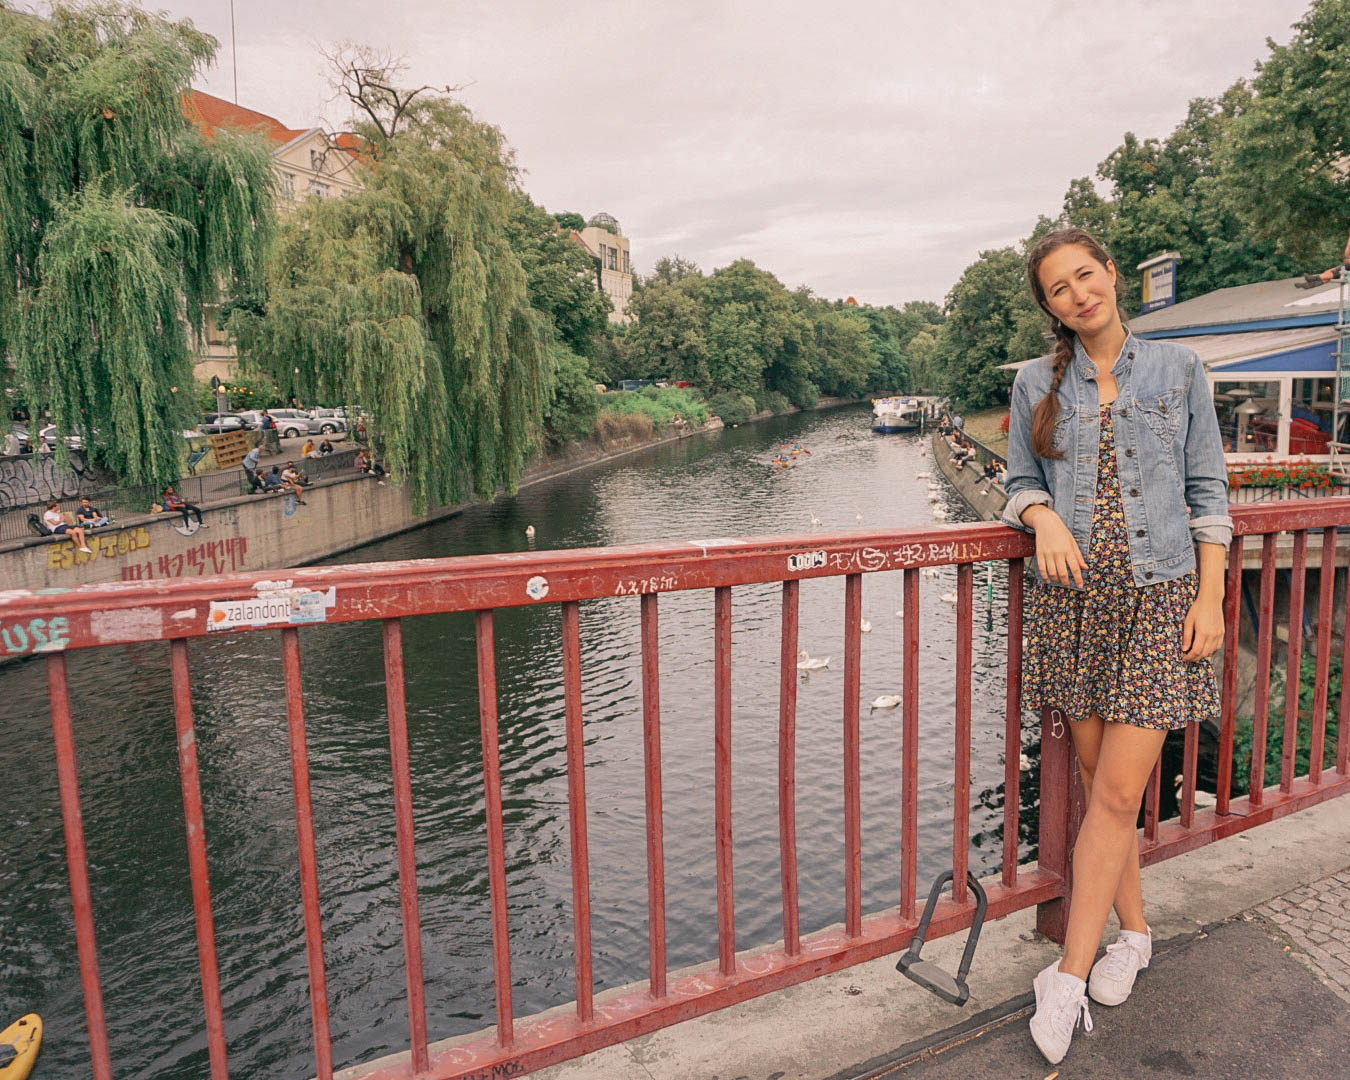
(1057, 556)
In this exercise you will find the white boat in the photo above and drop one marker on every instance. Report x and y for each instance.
(892, 414)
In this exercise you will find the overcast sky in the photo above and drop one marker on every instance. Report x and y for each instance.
(868, 149)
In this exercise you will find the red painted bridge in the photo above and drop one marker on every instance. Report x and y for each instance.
(94, 617)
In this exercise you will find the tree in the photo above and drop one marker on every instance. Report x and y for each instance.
(670, 337)
(408, 298)
(561, 276)
(121, 224)
(569, 220)
(1285, 155)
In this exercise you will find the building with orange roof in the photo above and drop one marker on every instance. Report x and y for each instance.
(309, 164)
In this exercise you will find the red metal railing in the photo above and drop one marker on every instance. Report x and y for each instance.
(175, 611)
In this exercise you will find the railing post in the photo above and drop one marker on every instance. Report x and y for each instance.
(1058, 819)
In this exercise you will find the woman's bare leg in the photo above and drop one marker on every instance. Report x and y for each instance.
(1124, 762)
(1129, 899)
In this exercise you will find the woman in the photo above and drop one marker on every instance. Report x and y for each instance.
(57, 525)
(1116, 465)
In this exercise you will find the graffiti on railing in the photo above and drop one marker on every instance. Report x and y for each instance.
(35, 636)
(36, 478)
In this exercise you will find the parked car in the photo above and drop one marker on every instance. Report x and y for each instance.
(219, 423)
(293, 422)
(48, 436)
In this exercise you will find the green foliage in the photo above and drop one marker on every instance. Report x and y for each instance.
(561, 275)
(774, 402)
(120, 223)
(408, 298)
(1242, 728)
(1284, 154)
(991, 320)
(732, 407)
(568, 220)
(660, 404)
(573, 403)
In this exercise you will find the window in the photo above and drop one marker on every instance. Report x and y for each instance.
(627, 266)
(1312, 406)
(612, 258)
(316, 188)
(1249, 415)
(316, 160)
(288, 185)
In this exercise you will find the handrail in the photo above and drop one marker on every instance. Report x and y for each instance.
(50, 624)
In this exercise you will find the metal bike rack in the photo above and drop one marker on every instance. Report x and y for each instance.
(928, 974)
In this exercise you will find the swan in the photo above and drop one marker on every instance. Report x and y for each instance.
(939, 514)
(529, 532)
(865, 626)
(1203, 799)
(807, 662)
(885, 701)
(948, 598)
(930, 571)
(923, 476)
(858, 517)
(1024, 763)
(815, 521)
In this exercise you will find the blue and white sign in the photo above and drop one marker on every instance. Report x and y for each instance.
(1160, 282)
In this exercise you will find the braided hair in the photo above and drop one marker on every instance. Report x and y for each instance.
(1047, 411)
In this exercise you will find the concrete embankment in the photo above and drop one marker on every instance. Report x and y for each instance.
(985, 500)
(260, 532)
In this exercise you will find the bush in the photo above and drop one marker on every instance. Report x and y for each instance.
(573, 405)
(732, 407)
(775, 402)
(1242, 731)
(613, 426)
(660, 405)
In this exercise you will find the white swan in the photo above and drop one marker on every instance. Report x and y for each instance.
(885, 701)
(858, 517)
(948, 598)
(923, 476)
(1203, 799)
(807, 662)
(1024, 763)
(815, 521)
(865, 626)
(529, 532)
(930, 571)
(939, 514)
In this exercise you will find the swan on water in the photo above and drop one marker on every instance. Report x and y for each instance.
(885, 701)
(529, 532)
(1023, 763)
(923, 476)
(807, 662)
(939, 513)
(948, 598)
(930, 571)
(865, 626)
(815, 521)
(858, 517)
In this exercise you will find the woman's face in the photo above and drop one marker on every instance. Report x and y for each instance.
(1079, 291)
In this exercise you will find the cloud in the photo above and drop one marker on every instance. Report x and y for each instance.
(871, 150)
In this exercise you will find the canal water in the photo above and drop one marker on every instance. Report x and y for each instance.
(708, 486)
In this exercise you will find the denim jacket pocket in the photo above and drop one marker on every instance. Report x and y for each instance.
(1163, 414)
(1062, 438)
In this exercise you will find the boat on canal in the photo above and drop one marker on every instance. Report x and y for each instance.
(896, 414)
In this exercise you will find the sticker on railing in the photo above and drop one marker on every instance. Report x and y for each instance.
(806, 560)
(537, 587)
(292, 607)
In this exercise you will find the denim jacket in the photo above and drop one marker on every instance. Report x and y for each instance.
(1173, 480)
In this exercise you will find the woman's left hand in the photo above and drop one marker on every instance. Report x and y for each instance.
(1202, 630)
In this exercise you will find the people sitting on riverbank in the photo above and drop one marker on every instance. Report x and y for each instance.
(325, 448)
(309, 449)
(57, 525)
(366, 463)
(993, 474)
(294, 476)
(275, 482)
(174, 502)
(89, 516)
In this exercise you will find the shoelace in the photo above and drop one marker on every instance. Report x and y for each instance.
(1065, 1018)
(1118, 959)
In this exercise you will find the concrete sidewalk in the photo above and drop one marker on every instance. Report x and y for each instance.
(1233, 990)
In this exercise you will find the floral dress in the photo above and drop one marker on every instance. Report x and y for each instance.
(1113, 647)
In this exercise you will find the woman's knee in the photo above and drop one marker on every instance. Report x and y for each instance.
(1115, 799)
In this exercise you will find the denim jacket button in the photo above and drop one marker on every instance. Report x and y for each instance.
(1130, 452)
(1139, 532)
(1148, 573)
(1134, 493)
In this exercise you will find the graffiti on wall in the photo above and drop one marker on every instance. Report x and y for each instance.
(65, 555)
(210, 557)
(36, 478)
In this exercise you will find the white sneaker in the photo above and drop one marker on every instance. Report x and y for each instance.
(1059, 1000)
(1113, 975)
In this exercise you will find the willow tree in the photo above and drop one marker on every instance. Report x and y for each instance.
(119, 223)
(406, 296)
